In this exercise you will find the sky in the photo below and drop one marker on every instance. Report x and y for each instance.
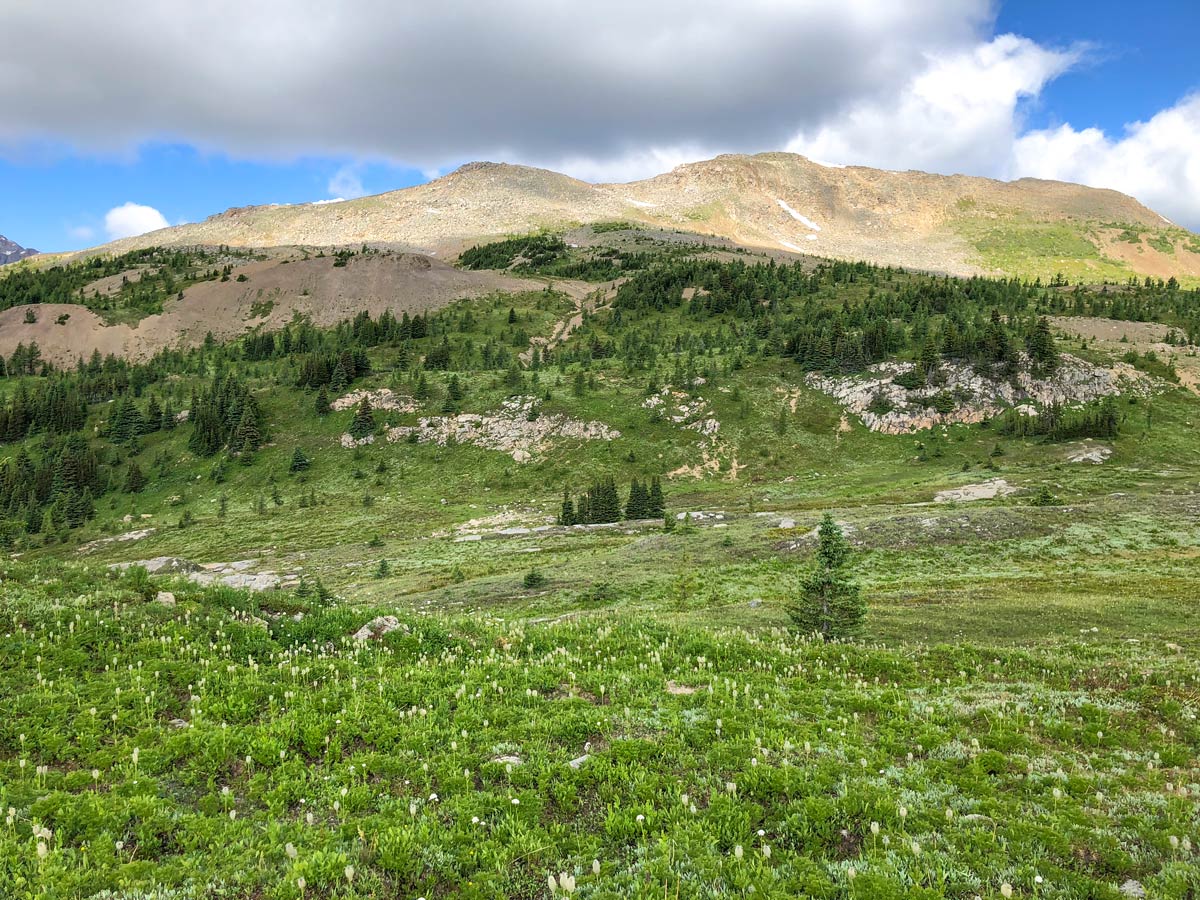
(118, 118)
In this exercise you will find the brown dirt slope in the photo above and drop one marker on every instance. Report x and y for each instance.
(276, 290)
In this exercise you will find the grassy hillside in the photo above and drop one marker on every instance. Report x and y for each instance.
(234, 748)
(1019, 709)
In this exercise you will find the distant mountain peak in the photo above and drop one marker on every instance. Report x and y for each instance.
(776, 201)
(11, 251)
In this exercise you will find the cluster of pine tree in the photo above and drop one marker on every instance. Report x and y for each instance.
(335, 369)
(645, 500)
(127, 423)
(792, 311)
(1058, 423)
(362, 331)
(25, 360)
(162, 273)
(49, 490)
(52, 407)
(226, 415)
(601, 503)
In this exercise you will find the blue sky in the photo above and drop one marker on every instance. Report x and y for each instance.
(311, 102)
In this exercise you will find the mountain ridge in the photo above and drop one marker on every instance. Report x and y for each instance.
(958, 224)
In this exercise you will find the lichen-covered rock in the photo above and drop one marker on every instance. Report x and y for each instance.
(383, 398)
(976, 397)
(378, 627)
(516, 428)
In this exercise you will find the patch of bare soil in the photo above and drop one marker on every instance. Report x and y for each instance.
(987, 490)
(276, 289)
(1145, 260)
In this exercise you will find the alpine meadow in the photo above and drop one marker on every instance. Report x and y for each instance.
(752, 527)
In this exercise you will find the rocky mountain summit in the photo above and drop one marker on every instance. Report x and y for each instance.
(11, 251)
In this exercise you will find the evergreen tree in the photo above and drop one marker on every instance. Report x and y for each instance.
(638, 505)
(655, 503)
(247, 438)
(322, 403)
(567, 515)
(340, 377)
(830, 602)
(300, 462)
(1041, 348)
(364, 421)
(135, 481)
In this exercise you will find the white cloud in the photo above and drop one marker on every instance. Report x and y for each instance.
(958, 114)
(346, 184)
(132, 219)
(1157, 161)
(605, 92)
(429, 84)
(81, 232)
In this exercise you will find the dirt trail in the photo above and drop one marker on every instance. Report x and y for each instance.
(564, 328)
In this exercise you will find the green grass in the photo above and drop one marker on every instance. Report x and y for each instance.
(1031, 669)
(233, 746)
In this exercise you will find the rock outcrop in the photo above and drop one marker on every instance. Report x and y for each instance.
(890, 408)
(517, 429)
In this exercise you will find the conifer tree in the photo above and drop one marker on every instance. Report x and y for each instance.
(300, 462)
(135, 481)
(322, 402)
(364, 420)
(1041, 348)
(655, 503)
(830, 602)
(567, 514)
(638, 505)
(247, 438)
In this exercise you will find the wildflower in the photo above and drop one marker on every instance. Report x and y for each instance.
(766, 851)
(738, 852)
(42, 849)
(290, 850)
(350, 874)
(1006, 890)
(595, 867)
(875, 828)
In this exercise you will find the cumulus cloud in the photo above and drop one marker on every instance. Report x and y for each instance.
(346, 184)
(425, 84)
(605, 92)
(1157, 161)
(958, 114)
(132, 219)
